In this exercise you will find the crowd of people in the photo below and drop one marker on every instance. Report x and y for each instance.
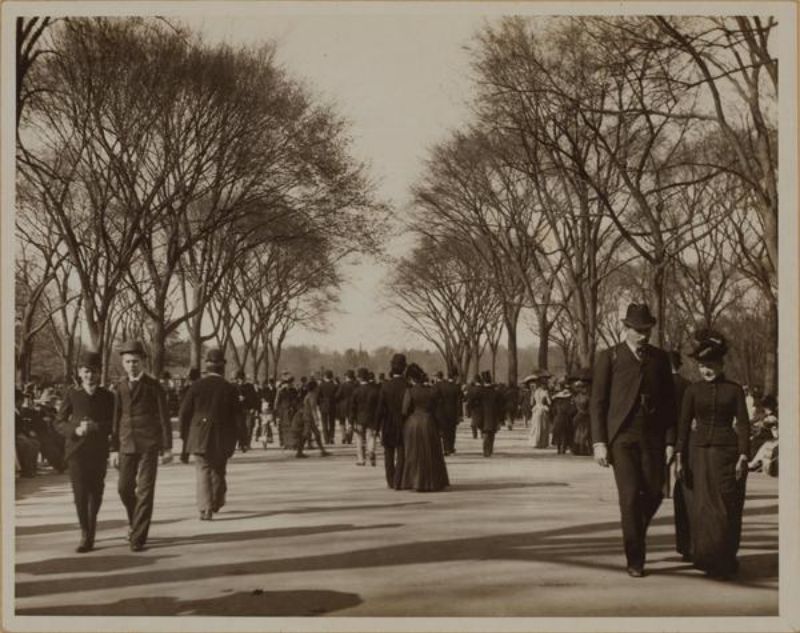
(634, 412)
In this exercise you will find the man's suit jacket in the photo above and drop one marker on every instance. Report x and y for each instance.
(492, 405)
(209, 417)
(363, 405)
(390, 411)
(327, 396)
(344, 393)
(141, 417)
(99, 408)
(617, 378)
(250, 398)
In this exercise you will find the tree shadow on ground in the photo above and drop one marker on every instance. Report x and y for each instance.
(87, 563)
(238, 515)
(579, 546)
(253, 535)
(507, 485)
(110, 524)
(244, 603)
(27, 486)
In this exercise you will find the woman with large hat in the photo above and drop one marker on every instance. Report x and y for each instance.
(581, 422)
(539, 435)
(715, 429)
(85, 421)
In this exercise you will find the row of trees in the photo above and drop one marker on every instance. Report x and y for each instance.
(165, 185)
(609, 159)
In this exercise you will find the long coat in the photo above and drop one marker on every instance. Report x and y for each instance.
(449, 403)
(344, 395)
(492, 405)
(617, 378)
(141, 417)
(209, 417)
(98, 408)
(390, 411)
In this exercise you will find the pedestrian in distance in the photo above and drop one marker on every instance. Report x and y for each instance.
(492, 404)
(327, 406)
(633, 426)
(344, 394)
(85, 421)
(249, 403)
(474, 407)
(141, 433)
(307, 419)
(450, 408)
(715, 428)
(210, 417)
(363, 410)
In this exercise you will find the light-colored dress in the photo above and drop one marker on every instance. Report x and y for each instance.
(539, 434)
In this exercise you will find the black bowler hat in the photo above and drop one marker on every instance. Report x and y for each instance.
(638, 317)
(91, 360)
(711, 346)
(215, 356)
(132, 347)
(363, 374)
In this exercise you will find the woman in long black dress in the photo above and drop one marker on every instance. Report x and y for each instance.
(424, 469)
(715, 427)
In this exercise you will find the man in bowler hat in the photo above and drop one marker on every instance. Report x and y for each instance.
(85, 420)
(389, 416)
(210, 418)
(632, 412)
(141, 432)
(450, 409)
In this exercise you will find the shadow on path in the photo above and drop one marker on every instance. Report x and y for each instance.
(253, 535)
(507, 485)
(87, 563)
(111, 524)
(238, 515)
(246, 603)
(581, 546)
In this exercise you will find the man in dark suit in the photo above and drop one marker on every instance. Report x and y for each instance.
(450, 409)
(363, 405)
(327, 406)
(249, 403)
(633, 426)
(141, 432)
(210, 418)
(85, 420)
(492, 404)
(681, 493)
(389, 416)
(474, 407)
(344, 394)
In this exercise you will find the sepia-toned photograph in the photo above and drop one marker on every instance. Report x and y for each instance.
(399, 316)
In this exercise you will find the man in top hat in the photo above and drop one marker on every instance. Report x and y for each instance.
(449, 409)
(141, 432)
(249, 403)
(210, 421)
(85, 420)
(492, 404)
(633, 415)
(389, 417)
(326, 396)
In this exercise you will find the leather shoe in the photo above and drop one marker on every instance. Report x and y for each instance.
(635, 572)
(137, 547)
(83, 548)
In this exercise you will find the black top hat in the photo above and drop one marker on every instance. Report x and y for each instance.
(328, 374)
(638, 317)
(398, 364)
(132, 347)
(711, 345)
(363, 373)
(414, 372)
(240, 374)
(92, 360)
(215, 356)
(486, 376)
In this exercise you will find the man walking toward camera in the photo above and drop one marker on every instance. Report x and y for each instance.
(633, 426)
(141, 431)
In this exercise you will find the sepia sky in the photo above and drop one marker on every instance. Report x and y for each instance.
(403, 82)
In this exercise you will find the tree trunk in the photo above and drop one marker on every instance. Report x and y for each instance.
(158, 339)
(657, 287)
(544, 338)
(771, 352)
(510, 320)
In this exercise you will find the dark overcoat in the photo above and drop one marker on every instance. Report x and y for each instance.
(209, 416)
(390, 411)
(98, 408)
